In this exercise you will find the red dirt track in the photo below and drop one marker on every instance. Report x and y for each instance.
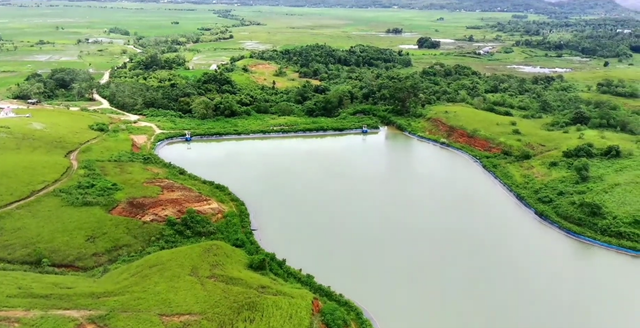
(463, 137)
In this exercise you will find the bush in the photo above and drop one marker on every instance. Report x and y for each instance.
(611, 151)
(100, 127)
(334, 316)
(582, 169)
(585, 150)
(516, 131)
(524, 155)
(92, 189)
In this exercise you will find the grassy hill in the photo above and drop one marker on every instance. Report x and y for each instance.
(204, 285)
(34, 149)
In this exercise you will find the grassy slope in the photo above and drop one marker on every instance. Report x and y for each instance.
(34, 149)
(613, 183)
(92, 237)
(210, 281)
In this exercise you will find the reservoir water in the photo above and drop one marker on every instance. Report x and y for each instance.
(419, 235)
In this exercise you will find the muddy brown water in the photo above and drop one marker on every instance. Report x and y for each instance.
(417, 234)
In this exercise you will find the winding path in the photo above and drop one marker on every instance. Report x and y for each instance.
(73, 158)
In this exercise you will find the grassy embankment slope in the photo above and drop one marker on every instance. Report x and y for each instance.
(35, 150)
(204, 285)
(547, 181)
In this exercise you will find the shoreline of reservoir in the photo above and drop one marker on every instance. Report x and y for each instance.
(547, 222)
(168, 141)
(254, 227)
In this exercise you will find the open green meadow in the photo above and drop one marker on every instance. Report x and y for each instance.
(34, 149)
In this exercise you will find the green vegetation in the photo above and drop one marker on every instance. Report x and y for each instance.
(427, 43)
(566, 144)
(60, 83)
(601, 37)
(618, 88)
(580, 178)
(35, 150)
(209, 282)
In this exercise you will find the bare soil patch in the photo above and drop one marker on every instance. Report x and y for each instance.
(263, 67)
(12, 323)
(174, 202)
(463, 137)
(179, 318)
(137, 142)
(88, 325)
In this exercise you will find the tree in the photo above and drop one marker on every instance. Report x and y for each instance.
(202, 108)
(606, 63)
(425, 42)
(582, 169)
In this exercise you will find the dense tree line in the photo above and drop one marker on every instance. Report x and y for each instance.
(228, 14)
(60, 83)
(620, 88)
(602, 37)
(362, 79)
(118, 30)
(320, 61)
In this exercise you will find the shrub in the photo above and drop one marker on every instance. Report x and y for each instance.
(100, 127)
(92, 189)
(582, 169)
(585, 150)
(334, 316)
(516, 131)
(524, 155)
(611, 151)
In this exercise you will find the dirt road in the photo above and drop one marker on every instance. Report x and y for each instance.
(73, 158)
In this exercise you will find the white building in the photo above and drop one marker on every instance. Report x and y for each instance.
(484, 51)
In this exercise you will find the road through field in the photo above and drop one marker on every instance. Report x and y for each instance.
(73, 158)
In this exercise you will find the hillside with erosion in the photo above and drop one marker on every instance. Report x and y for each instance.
(96, 230)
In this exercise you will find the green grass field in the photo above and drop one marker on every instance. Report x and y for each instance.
(284, 27)
(92, 237)
(34, 149)
(207, 285)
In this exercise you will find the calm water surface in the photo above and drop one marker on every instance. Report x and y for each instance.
(419, 235)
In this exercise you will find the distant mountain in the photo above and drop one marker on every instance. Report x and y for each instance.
(553, 8)
(631, 4)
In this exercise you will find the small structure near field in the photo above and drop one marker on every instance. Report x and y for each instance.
(33, 101)
(8, 113)
(484, 51)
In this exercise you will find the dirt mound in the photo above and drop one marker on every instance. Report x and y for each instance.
(463, 137)
(137, 141)
(317, 306)
(174, 201)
